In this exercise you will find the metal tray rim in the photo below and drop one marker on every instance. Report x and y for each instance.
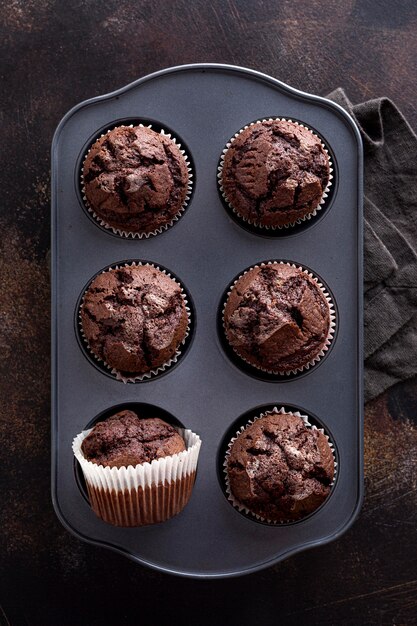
(208, 576)
(204, 67)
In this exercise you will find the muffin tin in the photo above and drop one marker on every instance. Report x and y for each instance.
(206, 390)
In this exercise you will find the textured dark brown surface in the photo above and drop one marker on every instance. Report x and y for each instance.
(124, 439)
(134, 318)
(275, 172)
(277, 318)
(135, 179)
(49, 578)
(279, 468)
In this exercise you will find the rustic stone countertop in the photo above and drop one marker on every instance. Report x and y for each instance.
(55, 54)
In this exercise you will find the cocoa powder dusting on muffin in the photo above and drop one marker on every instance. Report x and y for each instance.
(124, 439)
(279, 468)
(277, 318)
(135, 179)
(275, 172)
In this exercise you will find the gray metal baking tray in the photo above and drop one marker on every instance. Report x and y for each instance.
(204, 105)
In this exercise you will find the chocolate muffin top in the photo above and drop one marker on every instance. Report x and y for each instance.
(135, 179)
(124, 439)
(275, 172)
(279, 468)
(134, 318)
(277, 318)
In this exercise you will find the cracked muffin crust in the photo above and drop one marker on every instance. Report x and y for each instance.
(277, 318)
(124, 439)
(275, 172)
(279, 468)
(134, 318)
(135, 179)
(137, 471)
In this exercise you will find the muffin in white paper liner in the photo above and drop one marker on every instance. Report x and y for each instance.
(242, 507)
(299, 220)
(330, 333)
(133, 378)
(161, 229)
(145, 494)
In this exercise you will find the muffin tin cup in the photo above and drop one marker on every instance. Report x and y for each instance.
(330, 333)
(134, 378)
(161, 229)
(299, 220)
(242, 507)
(145, 494)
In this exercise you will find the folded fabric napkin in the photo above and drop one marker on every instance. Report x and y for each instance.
(390, 246)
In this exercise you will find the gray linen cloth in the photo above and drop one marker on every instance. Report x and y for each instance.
(390, 246)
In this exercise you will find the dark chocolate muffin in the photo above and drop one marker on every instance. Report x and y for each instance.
(137, 471)
(135, 179)
(279, 468)
(277, 318)
(274, 173)
(124, 440)
(134, 318)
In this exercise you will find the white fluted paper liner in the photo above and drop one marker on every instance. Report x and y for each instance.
(156, 370)
(161, 229)
(144, 494)
(159, 471)
(330, 333)
(298, 220)
(241, 507)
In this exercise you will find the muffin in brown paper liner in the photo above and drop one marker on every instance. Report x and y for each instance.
(306, 468)
(304, 190)
(147, 493)
(127, 376)
(156, 186)
(294, 323)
